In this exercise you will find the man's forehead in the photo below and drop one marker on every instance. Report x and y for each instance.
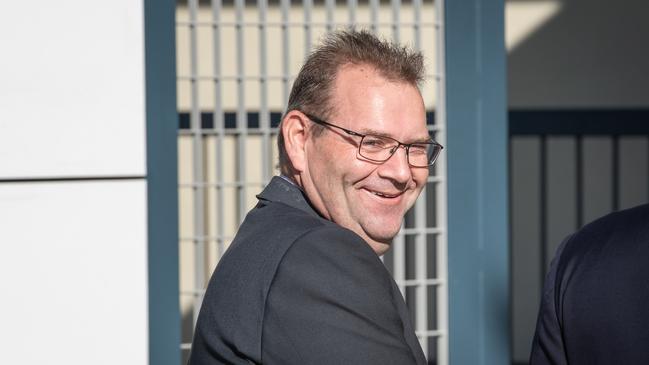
(421, 135)
(365, 100)
(360, 72)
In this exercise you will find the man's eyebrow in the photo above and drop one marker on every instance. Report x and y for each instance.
(375, 133)
(422, 139)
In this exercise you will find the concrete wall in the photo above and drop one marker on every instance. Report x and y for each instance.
(73, 267)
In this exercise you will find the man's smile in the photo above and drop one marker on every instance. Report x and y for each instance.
(385, 196)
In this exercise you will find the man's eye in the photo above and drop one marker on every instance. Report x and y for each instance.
(416, 149)
(373, 143)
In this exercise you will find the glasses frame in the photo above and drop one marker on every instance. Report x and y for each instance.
(406, 146)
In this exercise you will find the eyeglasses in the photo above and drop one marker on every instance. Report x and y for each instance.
(380, 148)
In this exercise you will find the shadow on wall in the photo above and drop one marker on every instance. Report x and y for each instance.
(592, 54)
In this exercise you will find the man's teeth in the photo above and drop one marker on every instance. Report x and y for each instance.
(382, 195)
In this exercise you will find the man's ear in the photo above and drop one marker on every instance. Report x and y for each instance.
(296, 132)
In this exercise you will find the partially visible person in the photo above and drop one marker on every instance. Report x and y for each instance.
(595, 305)
(302, 282)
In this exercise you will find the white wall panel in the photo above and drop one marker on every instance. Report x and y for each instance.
(71, 88)
(73, 277)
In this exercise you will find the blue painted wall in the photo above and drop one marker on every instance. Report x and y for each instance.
(477, 182)
(162, 182)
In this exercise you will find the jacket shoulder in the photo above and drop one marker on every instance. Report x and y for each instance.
(331, 291)
(231, 316)
(616, 230)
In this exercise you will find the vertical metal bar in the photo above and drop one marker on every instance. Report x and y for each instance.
(579, 183)
(351, 7)
(416, 24)
(374, 15)
(399, 264)
(219, 126)
(616, 172)
(421, 271)
(264, 115)
(285, 5)
(198, 173)
(242, 120)
(544, 209)
(441, 190)
(396, 6)
(421, 244)
(331, 6)
(308, 7)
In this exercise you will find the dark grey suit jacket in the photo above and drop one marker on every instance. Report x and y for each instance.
(294, 288)
(595, 307)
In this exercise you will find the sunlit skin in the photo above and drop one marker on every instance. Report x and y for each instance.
(366, 197)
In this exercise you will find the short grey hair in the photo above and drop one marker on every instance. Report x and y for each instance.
(311, 92)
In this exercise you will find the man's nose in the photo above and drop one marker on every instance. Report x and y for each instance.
(396, 167)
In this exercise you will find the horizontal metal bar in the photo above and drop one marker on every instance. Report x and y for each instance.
(212, 124)
(253, 131)
(427, 230)
(257, 24)
(431, 333)
(191, 239)
(235, 78)
(233, 184)
(227, 132)
(420, 282)
(258, 77)
(579, 122)
(405, 231)
(238, 184)
(193, 292)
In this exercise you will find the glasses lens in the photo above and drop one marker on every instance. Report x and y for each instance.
(377, 148)
(423, 155)
(420, 154)
(433, 153)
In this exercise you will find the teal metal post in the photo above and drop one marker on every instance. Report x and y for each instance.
(479, 330)
(162, 181)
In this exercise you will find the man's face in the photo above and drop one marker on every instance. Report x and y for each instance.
(366, 197)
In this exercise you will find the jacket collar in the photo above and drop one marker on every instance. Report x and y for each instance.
(281, 190)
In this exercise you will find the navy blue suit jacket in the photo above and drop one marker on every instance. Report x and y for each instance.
(595, 306)
(294, 288)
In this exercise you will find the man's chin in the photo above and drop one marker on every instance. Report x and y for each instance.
(385, 237)
(381, 235)
(380, 245)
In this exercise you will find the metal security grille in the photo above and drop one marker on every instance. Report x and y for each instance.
(568, 167)
(236, 63)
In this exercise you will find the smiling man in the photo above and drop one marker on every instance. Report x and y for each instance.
(302, 282)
